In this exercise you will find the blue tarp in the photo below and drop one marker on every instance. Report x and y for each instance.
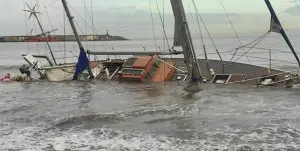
(82, 64)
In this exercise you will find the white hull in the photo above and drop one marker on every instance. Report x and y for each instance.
(61, 72)
(67, 73)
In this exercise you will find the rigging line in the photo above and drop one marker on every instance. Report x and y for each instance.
(202, 40)
(271, 59)
(245, 46)
(91, 18)
(50, 22)
(197, 29)
(26, 24)
(87, 12)
(191, 13)
(92, 14)
(199, 15)
(80, 18)
(283, 51)
(65, 53)
(297, 4)
(41, 21)
(83, 20)
(53, 2)
(34, 25)
(252, 47)
(165, 34)
(213, 53)
(153, 28)
(93, 25)
(163, 22)
(235, 32)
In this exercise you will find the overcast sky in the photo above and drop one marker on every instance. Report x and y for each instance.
(132, 19)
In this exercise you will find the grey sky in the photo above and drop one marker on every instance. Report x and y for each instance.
(131, 18)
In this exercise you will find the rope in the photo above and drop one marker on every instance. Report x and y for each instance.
(85, 21)
(271, 59)
(80, 18)
(26, 24)
(93, 25)
(252, 47)
(162, 22)
(235, 32)
(65, 53)
(51, 3)
(194, 21)
(91, 18)
(50, 18)
(153, 28)
(297, 4)
(87, 24)
(283, 51)
(245, 46)
(199, 15)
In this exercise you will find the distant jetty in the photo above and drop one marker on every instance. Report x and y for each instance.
(60, 38)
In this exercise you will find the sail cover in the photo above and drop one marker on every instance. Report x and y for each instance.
(275, 27)
(82, 64)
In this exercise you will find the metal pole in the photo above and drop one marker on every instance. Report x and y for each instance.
(274, 16)
(204, 48)
(190, 41)
(134, 53)
(75, 32)
(270, 65)
(46, 38)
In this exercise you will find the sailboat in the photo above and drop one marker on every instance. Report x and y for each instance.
(150, 67)
(63, 72)
(217, 72)
(136, 68)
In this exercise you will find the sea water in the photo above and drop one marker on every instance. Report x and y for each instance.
(104, 116)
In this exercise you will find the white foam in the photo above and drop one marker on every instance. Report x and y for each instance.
(108, 139)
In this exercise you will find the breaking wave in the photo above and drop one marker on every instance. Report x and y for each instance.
(108, 139)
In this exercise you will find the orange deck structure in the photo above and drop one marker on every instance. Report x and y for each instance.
(147, 68)
(165, 72)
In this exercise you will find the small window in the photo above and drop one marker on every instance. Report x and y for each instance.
(132, 71)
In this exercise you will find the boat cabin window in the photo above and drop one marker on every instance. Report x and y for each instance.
(221, 78)
(155, 67)
(132, 71)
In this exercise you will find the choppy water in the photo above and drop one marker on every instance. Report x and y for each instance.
(118, 116)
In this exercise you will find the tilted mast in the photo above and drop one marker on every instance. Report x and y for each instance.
(277, 27)
(183, 38)
(33, 12)
(83, 62)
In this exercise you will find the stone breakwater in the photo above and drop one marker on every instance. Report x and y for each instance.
(56, 38)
